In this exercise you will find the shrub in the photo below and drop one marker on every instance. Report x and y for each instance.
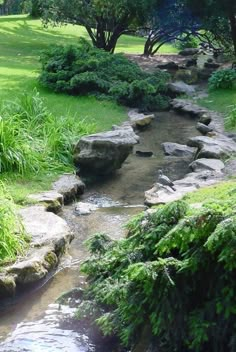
(174, 273)
(13, 240)
(222, 79)
(87, 70)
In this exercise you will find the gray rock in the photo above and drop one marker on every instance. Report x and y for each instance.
(171, 65)
(189, 76)
(215, 147)
(207, 164)
(103, 153)
(70, 186)
(178, 88)
(140, 120)
(52, 200)
(204, 129)
(205, 116)
(50, 235)
(179, 150)
(160, 194)
(188, 107)
(189, 52)
(83, 208)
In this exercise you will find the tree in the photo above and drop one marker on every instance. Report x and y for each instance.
(168, 21)
(36, 10)
(104, 20)
(217, 16)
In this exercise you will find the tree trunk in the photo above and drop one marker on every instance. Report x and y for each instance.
(232, 19)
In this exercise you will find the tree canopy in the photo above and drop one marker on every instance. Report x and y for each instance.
(104, 20)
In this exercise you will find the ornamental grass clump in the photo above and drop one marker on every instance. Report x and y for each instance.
(13, 239)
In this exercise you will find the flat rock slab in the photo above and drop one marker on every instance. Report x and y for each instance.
(70, 186)
(179, 150)
(103, 153)
(160, 194)
(52, 200)
(140, 120)
(216, 147)
(50, 235)
(207, 164)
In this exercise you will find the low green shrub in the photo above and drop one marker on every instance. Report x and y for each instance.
(223, 79)
(33, 140)
(13, 239)
(174, 273)
(86, 70)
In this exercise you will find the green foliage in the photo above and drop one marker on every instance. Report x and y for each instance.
(230, 120)
(13, 240)
(175, 272)
(223, 79)
(86, 70)
(33, 140)
(187, 42)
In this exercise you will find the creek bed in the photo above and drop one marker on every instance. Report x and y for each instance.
(34, 323)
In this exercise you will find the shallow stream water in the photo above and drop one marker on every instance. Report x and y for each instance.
(34, 322)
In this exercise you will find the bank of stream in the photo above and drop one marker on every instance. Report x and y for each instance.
(34, 322)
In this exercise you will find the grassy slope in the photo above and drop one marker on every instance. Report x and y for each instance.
(220, 100)
(21, 41)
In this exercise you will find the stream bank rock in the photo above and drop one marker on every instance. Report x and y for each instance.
(179, 150)
(50, 236)
(52, 200)
(207, 164)
(140, 120)
(216, 147)
(70, 186)
(160, 194)
(103, 153)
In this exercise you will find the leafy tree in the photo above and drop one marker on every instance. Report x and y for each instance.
(168, 21)
(217, 16)
(104, 20)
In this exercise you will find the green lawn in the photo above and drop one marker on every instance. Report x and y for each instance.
(220, 100)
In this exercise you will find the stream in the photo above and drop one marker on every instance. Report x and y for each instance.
(35, 323)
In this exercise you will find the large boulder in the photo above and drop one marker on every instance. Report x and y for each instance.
(178, 88)
(215, 147)
(103, 153)
(180, 150)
